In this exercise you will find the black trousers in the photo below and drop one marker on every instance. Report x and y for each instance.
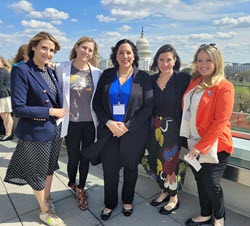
(111, 168)
(210, 192)
(80, 135)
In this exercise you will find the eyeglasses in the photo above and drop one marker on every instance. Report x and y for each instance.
(210, 44)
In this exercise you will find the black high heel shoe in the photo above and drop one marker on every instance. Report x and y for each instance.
(10, 137)
(105, 216)
(166, 212)
(156, 203)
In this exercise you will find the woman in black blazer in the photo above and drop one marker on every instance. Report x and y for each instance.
(123, 103)
(37, 102)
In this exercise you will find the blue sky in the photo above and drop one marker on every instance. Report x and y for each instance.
(183, 23)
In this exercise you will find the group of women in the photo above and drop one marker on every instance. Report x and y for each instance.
(138, 119)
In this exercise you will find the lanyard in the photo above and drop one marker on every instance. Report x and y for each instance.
(119, 91)
(119, 86)
(190, 98)
(192, 94)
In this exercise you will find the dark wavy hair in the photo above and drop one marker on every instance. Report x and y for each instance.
(115, 50)
(165, 49)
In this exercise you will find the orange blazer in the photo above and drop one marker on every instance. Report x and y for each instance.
(213, 115)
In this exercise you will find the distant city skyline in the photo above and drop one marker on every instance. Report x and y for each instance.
(186, 24)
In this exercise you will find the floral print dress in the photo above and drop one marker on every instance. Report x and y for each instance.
(161, 160)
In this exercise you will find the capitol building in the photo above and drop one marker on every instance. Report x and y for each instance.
(144, 52)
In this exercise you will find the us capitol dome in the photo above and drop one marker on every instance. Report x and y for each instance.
(144, 52)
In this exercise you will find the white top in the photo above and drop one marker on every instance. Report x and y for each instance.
(63, 74)
(188, 124)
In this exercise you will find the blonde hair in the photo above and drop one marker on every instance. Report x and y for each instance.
(95, 58)
(216, 57)
(37, 38)
(5, 63)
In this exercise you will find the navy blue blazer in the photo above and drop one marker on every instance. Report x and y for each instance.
(31, 100)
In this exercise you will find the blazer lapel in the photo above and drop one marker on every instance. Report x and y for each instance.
(95, 76)
(206, 97)
(58, 88)
(134, 92)
(108, 83)
(66, 70)
(37, 76)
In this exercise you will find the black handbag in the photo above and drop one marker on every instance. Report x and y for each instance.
(93, 151)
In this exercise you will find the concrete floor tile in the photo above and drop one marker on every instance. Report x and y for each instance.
(147, 187)
(7, 211)
(12, 222)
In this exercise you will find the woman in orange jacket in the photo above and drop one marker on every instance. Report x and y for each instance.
(207, 107)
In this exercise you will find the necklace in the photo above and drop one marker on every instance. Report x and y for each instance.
(124, 76)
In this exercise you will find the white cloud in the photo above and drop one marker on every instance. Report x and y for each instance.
(1, 22)
(6, 38)
(125, 28)
(201, 36)
(114, 34)
(136, 2)
(202, 10)
(229, 21)
(35, 26)
(22, 6)
(223, 35)
(74, 20)
(129, 15)
(56, 22)
(103, 18)
(50, 13)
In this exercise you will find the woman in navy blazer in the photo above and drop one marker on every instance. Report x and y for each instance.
(37, 102)
(123, 103)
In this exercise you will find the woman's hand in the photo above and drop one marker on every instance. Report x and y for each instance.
(122, 126)
(116, 128)
(58, 112)
(193, 153)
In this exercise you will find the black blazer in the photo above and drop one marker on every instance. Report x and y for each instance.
(31, 100)
(137, 114)
(4, 83)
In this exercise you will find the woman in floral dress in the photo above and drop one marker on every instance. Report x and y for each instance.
(161, 159)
